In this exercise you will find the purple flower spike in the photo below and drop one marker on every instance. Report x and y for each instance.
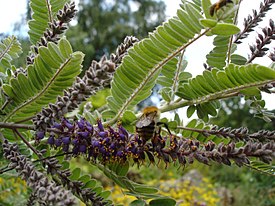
(57, 126)
(40, 134)
(51, 140)
(66, 140)
(100, 125)
(82, 148)
(81, 124)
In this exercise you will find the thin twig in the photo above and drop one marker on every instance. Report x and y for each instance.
(231, 38)
(50, 157)
(27, 143)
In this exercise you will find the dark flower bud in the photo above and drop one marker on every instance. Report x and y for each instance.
(81, 124)
(112, 146)
(66, 140)
(58, 142)
(122, 130)
(65, 148)
(122, 137)
(119, 153)
(75, 141)
(103, 134)
(106, 140)
(83, 134)
(90, 129)
(40, 135)
(69, 125)
(100, 125)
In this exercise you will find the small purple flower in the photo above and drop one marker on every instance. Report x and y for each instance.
(112, 146)
(57, 126)
(68, 124)
(95, 143)
(66, 140)
(112, 131)
(74, 141)
(40, 135)
(119, 153)
(81, 124)
(65, 147)
(122, 137)
(83, 134)
(122, 130)
(102, 150)
(82, 148)
(100, 125)
(58, 142)
(75, 149)
(103, 134)
(90, 129)
(106, 140)
(51, 140)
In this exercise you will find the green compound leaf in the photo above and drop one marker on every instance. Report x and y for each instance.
(53, 71)
(225, 29)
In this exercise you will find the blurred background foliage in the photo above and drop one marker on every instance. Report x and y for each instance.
(99, 28)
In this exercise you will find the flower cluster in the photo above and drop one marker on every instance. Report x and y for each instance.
(44, 190)
(117, 145)
(260, 48)
(251, 22)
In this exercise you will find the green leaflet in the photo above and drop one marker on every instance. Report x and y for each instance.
(54, 70)
(208, 23)
(43, 12)
(137, 74)
(225, 29)
(163, 201)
